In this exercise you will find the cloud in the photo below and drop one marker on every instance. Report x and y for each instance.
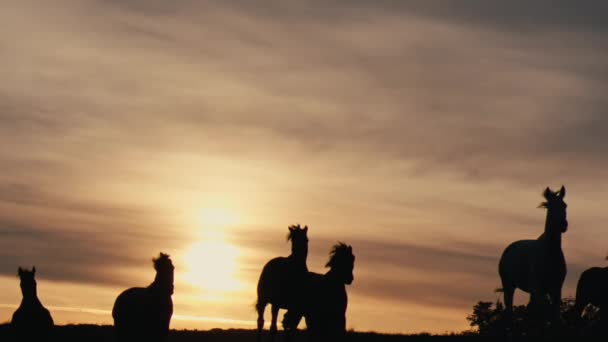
(481, 104)
(63, 256)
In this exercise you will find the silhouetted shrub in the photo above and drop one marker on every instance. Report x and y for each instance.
(488, 319)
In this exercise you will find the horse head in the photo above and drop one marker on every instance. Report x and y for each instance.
(164, 272)
(556, 209)
(28, 281)
(299, 239)
(342, 262)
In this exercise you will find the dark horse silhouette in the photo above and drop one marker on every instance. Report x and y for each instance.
(144, 313)
(592, 288)
(281, 280)
(326, 300)
(31, 321)
(538, 266)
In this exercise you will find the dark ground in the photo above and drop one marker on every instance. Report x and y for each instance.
(97, 333)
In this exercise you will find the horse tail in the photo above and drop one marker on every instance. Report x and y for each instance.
(256, 304)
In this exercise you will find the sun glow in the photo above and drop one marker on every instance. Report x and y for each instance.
(212, 266)
(212, 261)
(216, 218)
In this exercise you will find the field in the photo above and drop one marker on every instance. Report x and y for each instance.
(97, 333)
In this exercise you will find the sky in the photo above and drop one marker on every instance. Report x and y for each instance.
(422, 133)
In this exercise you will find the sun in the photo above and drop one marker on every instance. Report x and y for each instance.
(212, 266)
(212, 261)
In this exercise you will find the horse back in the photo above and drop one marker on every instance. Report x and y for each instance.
(141, 314)
(32, 323)
(592, 287)
(281, 280)
(515, 262)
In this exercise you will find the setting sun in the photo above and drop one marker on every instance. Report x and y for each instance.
(212, 261)
(212, 267)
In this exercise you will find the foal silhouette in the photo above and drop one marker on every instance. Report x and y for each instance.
(538, 266)
(144, 313)
(326, 298)
(281, 280)
(31, 321)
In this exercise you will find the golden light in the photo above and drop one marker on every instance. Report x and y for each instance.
(212, 261)
(217, 218)
(212, 267)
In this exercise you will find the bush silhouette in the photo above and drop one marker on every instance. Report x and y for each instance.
(488, 319)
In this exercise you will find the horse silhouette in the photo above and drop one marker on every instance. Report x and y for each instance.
(326, 298)
(144, 313)
(280, 283)
(31, 321)
(592, 288)
(538, 267)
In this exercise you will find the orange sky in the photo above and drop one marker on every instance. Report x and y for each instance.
(421, 134)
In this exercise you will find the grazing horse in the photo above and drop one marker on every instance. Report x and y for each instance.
(144, 313)
(538, 267)
(326, 298)
(31, 321)
(592, 288)
(282, 279)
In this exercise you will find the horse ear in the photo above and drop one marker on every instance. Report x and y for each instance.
(547, 193)
(33, 269)
(20, 271)
(305, 229)
(562, 192)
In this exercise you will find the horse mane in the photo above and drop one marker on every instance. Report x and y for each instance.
(338, 252)
(293, 229)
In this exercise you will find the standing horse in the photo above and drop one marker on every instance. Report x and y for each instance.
(281, 280)
(538, 267)
(144, 313)
(31, 321)
(592, 288)
(326, 298)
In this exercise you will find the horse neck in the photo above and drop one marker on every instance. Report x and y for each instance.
(161, 284)
(552, 236)
(29, 297)
(299, 253)
(335, 278)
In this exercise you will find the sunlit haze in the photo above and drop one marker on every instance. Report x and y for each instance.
(422, 133)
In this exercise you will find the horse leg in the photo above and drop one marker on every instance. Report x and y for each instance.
(537, 311)
(556, 301)
(291, 319)
(260, 308)
(273, 322)
(508, 292)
